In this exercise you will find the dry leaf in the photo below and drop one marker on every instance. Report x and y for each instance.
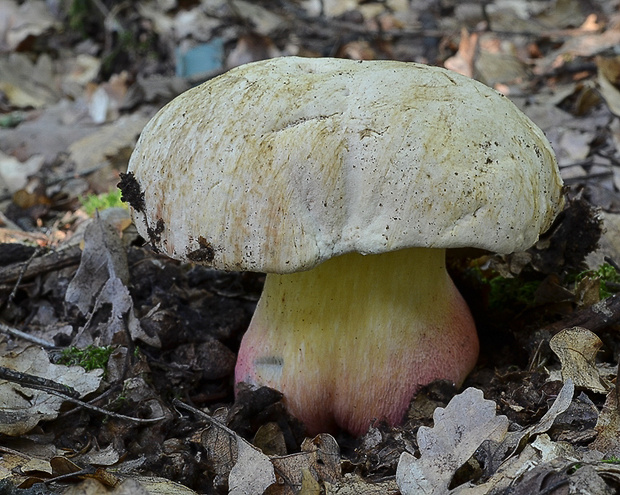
(319, 456)
(30, 18)
(152, 486)
(352, 484)
(100, 284)
(515, 465)
(458, 431)
(463, 61)
(14, 174)
(103, 258)
(26, 83)
(248, 470)
(576, 348)
(608, 80)
(270, 439)
(108, 141)
(253, 471)
(22, 408)
(608, 426)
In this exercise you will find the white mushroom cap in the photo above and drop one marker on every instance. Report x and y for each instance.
(278, 165)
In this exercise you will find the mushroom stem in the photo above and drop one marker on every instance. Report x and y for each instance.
(353, 339)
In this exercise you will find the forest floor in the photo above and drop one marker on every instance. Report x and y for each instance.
(117, 363)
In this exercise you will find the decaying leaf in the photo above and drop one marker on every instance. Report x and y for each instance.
(516, 439)
(245, 467)
(26, 83)
(249, 471)
(458, 431)
(576, 348)
(109, 140)
(103, 258)
(23, 19)
(352, 484)
(22, 408)
(319, 458)
(130, 486)
(99, 285)
(153, 486)
(608, 80)
(14, 174)
(608, 426)
(253, 471)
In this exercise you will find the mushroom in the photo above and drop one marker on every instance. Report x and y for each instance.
(345, 181)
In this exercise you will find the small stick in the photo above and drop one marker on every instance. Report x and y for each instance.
(53, 261)
(65, 392)
(18, 282)
(37, 382)
(26, 336)
(596, 317)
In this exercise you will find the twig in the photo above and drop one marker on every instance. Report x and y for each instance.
(65, 392)
(596, 317)
(201, 414)
(43, 264)
(37, 382)
(8, 222)
(18, 282)
(105, 412)
(26, 336)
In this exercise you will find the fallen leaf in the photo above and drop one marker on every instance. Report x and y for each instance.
(31, 18)
(26, 83)
(252, 473)
(22, 408)
(109, 140)
(576, 348)
(352, 484)
(99, 285)
(458, 431)
(14, 174)
(608, 426)
(247, 469)
(608, 75)
(319, 457)
(103, 258)
(463, 61)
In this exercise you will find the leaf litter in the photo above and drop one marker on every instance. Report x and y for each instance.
(69, 117)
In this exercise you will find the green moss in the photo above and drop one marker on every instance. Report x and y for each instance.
(502, 292)
(89, 358)
(608, 276)
(506, 292)
(94, 202)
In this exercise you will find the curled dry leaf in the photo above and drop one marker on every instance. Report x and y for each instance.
(100, 284)
(319, 460)
(576, 348)
(458, 431)
(248, 470)
(103, 258)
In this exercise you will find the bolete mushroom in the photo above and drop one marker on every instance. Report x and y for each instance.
(346, 182)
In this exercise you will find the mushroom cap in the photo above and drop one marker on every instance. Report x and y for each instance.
(278, 165)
